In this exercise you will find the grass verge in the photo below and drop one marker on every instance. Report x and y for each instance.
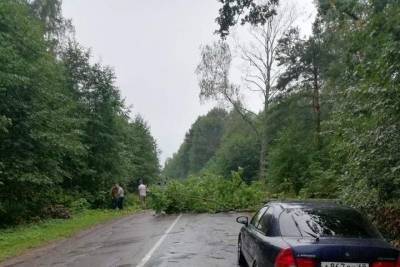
(15, 241)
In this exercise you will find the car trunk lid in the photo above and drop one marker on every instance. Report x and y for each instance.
(348, 250)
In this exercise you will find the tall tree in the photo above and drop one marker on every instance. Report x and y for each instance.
(213, 73)
(39, 133)
(142, 153)
(304, 61)
(94, 88)
(57, 28)
(363, 79)
(262, 72)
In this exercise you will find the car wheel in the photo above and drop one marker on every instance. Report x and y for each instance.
(241, 260)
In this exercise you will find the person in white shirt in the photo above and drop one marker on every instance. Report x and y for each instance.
(120, 197)
(142, 193)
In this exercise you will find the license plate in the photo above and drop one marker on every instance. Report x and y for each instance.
(343, 264)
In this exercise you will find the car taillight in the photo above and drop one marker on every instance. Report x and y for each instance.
(385, 264)
(286, 258)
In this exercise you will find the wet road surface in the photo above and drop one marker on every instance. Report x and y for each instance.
(146, 240)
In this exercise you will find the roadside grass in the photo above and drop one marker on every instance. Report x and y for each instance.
(14, 241)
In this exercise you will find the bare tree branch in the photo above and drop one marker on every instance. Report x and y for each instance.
(261, 88)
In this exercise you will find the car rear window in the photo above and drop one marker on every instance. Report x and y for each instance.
(325, 222)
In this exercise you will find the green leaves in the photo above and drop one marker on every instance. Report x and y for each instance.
(64, 130)
(365, 123)
(207, 193)
(245, 11)
(366, 114)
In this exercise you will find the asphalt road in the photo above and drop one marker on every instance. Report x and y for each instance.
(146, 240)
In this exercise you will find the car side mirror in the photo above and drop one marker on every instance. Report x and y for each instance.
(243, 220)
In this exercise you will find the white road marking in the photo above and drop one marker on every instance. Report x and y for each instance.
(154, 248)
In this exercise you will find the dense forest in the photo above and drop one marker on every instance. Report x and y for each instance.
(65, 133)
(330, 124)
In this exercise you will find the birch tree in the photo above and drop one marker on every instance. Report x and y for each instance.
(261, 73)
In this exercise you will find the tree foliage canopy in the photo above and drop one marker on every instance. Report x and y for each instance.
(245, 11)
(65, 133)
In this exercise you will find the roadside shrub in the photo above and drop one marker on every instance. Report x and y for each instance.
(131, 200)
(207, 193)
(80, 205)
(14, 213)
(100, 200)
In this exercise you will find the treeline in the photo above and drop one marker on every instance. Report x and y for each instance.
(330, 127)
(65, 133)
(219, 143)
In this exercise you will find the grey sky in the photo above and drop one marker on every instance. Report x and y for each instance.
(153, 46)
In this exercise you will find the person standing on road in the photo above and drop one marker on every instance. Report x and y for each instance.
(120, 195)
(142, 194)
(114, 196)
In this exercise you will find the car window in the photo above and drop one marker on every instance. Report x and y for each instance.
(338, 222)
(265, 224)
(256, 219)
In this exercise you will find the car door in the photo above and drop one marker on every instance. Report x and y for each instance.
(248, 235)
(267, 242)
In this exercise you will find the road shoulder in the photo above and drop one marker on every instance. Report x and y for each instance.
(46, 246)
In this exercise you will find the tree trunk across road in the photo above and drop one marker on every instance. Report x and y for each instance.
(145, 240)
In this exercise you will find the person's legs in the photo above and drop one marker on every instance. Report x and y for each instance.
(142, 201)
(114, 203)
(121, 203)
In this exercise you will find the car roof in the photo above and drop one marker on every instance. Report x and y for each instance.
(317, 203)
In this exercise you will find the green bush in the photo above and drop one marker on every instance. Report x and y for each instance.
(100, 200)
(80, 205)
(131, 200)
(207, 193)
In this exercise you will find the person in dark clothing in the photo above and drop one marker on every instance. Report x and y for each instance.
(114, 196)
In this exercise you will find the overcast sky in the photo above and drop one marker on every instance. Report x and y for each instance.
(153, 46)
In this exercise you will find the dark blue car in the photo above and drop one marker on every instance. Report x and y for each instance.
(310, 234)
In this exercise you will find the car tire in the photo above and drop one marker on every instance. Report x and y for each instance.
(240, 259)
